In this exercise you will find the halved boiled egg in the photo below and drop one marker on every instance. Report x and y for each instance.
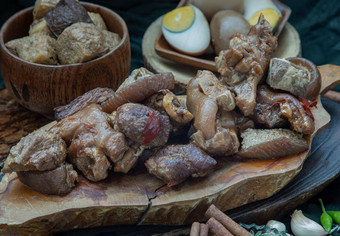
(253, 9)
(187, 30)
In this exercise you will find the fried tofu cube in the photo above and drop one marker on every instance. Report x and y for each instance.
(111, 40)
(36, 48)
(98, 20)
(41, 7)
(80, 42)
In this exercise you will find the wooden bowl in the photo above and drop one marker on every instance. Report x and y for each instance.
(40, 88)
(206, 61)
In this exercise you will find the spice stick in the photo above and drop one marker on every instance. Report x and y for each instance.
(195, 229)
(204, 230)
(226, 221)
(217, 229)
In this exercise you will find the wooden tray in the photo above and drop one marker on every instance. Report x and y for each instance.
(139, 198)
(206, 61)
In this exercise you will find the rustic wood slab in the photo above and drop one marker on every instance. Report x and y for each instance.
(139, 198)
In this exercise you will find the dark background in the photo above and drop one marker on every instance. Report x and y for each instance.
(317, 22)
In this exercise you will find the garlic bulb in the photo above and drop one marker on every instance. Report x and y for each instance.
(303, 226)
(273, 224)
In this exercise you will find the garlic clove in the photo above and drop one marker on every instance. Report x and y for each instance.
(303, 226)
(273, 224)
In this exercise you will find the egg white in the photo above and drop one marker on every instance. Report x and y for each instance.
(195, 40)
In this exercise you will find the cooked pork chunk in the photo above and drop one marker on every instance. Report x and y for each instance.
(65, 14)
(224, 143)
(290, 108)
(98, 20)
(271, 143)
(129, 159)
(143, 125)
(59, 181)
(88, 158)
(41, 7)
(91, 138)
(97, 95)
(173, 164)
(216, 90)
(140, 85)
(40, 150)
(36, 48)
(243, 65)
(80, 42)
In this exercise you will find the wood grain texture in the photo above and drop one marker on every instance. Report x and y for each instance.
(139, 198)
(40, 88)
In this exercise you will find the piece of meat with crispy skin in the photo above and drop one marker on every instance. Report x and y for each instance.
(174, 163)
(59, 181)
(290, 108)
(97, 95)
(244, 64)
(143, 125)
(40, 150)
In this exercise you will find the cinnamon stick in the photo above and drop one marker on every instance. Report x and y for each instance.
(226, 221)
(332, 95)
(195, 229)
(217, 229)
(204, 230)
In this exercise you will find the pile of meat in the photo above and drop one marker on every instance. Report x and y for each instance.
(105, 130)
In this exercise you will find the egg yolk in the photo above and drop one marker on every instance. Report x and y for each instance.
(179, 19)
(271, 15)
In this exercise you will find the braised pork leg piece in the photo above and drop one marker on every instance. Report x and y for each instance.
(59, 181)
(39, 151)
(225, 140)
(278, 108)
(91, 140)
(174, 163)
(244, 64)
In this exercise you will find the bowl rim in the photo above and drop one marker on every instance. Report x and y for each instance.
(118, 17)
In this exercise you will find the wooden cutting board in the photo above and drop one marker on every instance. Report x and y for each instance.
(139, 198)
